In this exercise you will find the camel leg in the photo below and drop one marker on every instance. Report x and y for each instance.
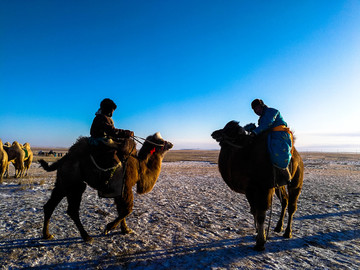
(124, 207)
(283, 197)
(294, 193)
(74, 200)
(2, 172)
(124, 228)
(7, 171)
(56, 196)
(112, 225)
(260, 201)
(25, 171)
(261, 237)
(293, 198)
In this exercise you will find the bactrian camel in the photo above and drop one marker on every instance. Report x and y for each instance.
(3, 161)
(76, 170)
(245, 166)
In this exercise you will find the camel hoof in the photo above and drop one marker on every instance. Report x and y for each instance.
(259, 247)
(278, 229)
(88, 239)
(127, 231)
(287, 235)
(48, 237)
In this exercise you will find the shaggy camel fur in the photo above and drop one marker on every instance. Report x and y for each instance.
(3, 161)
(28, 158)
(246, 168)
(76, 169)
(16, 155)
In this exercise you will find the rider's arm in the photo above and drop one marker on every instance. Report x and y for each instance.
(266, 121)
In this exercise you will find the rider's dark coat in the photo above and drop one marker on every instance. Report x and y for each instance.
(103, 127)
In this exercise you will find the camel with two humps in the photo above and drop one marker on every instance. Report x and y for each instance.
(77, 169)
(20, 156)
(29, 155)
(3, 161)
(245, 166)
(16, 155)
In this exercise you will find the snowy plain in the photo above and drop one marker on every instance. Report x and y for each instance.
(190, 220)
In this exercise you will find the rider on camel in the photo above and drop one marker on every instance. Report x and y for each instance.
(280, 141)
(102, 128)
(105, 138)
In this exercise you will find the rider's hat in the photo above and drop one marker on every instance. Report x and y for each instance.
(107, 105)
(257, 102)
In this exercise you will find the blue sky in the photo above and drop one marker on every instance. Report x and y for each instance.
(184, 68)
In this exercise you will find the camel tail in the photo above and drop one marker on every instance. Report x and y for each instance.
(47, 167)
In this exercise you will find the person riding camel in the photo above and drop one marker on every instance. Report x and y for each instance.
(106, 142)
(280, 139)
(103, 129)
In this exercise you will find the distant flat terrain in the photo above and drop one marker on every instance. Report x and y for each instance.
(208, 155)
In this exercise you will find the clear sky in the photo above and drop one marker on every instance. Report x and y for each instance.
(184, 68)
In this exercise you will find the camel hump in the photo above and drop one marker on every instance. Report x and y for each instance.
(80, 147)
(16, 144)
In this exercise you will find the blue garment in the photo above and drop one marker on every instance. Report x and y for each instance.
(279, 142)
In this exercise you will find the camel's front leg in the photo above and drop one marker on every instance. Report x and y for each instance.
(112, 225)
(261, 237)
(124, 208)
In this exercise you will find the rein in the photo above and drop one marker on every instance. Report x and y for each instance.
(138, 139)
(104, 170)
(227, 141)
(233, 145)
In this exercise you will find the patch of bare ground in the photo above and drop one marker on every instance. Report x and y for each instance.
(190, 220)
(192, 155)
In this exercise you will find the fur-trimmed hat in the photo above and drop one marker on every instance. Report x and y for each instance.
(107, 105)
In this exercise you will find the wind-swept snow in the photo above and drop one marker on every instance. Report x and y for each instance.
(190, 220)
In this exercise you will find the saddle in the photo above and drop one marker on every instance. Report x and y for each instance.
(108, 167)
(26, 153)
(108, 160)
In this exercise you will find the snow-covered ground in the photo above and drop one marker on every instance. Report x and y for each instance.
(190, 220)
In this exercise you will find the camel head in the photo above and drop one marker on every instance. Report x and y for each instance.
(231, 133)
(27, 145)
(154, 144)
(231, 130)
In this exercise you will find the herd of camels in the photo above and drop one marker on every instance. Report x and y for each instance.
(19, 155)
(244, 165)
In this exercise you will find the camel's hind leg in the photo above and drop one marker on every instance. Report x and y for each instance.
(293, 197)
(74, 200)
(56, 196)
(294, 193)
(283, 197)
